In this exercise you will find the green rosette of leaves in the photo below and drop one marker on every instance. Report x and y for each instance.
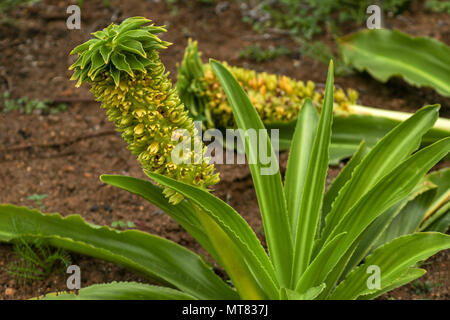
(123, 67)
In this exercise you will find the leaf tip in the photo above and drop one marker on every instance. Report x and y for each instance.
(331, 66)
(213, 61)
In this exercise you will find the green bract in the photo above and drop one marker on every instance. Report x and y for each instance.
(123, 67)
(119, 50)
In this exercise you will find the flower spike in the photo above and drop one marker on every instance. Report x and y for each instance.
(122, 65)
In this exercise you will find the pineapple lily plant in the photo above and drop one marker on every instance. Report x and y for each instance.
(319, 244)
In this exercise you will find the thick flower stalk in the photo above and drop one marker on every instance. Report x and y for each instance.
(277, 98)
(123, 67)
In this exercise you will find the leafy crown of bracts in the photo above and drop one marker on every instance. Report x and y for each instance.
(118, 49)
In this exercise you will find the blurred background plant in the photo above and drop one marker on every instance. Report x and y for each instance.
(308, 18)
(323, 53)
(423, 287)
(259, 54)
(27, 105)
(7, 5)
(438, 5)
(305, 20)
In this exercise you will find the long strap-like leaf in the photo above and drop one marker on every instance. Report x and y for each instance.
(298, 162)
(368, 238)
(410, 275)
(437, 209)
(234, 226)
(382, 159)
(410, 216)
(312, 196)
(383, 53)
(269, 188)
(392, 260)
(340, 181)
(183, 213)
(391, 189)
(154, 256)
(362, 124)
(120, 291)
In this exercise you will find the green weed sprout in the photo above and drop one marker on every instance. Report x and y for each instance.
(35, 259)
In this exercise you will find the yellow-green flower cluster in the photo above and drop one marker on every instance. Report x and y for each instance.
(277, 98)
(134, 88)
